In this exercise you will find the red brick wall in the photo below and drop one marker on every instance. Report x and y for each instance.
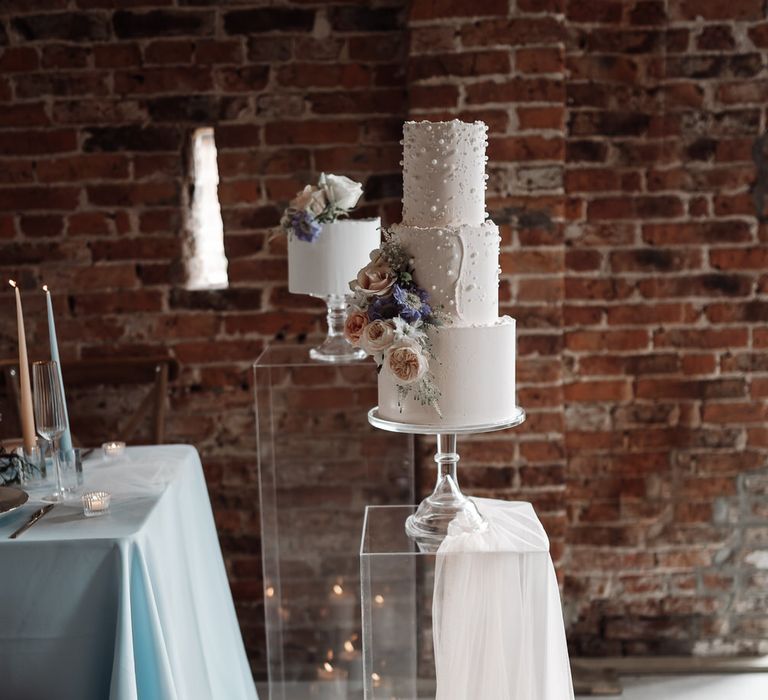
(627, 170)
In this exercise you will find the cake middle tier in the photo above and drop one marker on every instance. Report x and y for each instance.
(458, 267)
(473, 368)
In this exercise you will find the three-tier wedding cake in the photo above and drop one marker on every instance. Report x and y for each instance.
(448, 360)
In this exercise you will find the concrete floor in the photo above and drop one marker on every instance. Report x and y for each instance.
(742, 686)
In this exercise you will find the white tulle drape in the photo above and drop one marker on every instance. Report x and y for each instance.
(498, 624)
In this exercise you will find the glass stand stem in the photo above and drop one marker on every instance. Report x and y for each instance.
(428, 526)
(337, 314)
(335, 347)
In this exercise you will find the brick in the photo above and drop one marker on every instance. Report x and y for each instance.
(540, 60)
(137, 25)
(134, 138)
(268, 19)
(709, 338)
(431, 9)
(458, 64)
(18, 59)
(739, 258)
(706, 232)
(164, 80)
(513, 32)
(169, 51)
(709, 285)
(526, 148)
(116, 55)
(65, 26)
(245, 79)
(720, 10)
(592, 391)
(516, 90)
(609, 340)
(85, 167)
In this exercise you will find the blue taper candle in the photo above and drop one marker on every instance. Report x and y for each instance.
(66, 438)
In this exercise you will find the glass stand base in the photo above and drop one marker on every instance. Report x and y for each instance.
(428, 526)
(336, 349)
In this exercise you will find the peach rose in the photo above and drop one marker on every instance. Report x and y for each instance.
(377, 336)
(376, 278)
(406, 362)
(354, 325)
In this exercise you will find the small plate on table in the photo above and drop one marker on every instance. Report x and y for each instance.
(11, 498)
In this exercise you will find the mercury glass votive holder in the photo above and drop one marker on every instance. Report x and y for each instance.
(96, 503)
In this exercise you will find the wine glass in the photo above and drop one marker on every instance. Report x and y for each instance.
(49, 415)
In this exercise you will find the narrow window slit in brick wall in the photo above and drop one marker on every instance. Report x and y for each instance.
(206, 262)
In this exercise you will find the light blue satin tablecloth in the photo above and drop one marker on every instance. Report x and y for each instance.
(134, 605)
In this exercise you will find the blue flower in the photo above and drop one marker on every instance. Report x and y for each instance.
(412, 303)
(305, 226)
(383, 308)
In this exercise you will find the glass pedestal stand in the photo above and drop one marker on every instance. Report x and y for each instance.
(428, 526)
(335, 347)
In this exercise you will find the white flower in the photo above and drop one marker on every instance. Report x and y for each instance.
(376, 337)
(342, 192)
(412, 331)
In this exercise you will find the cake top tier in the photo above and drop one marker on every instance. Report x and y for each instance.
(444, 173)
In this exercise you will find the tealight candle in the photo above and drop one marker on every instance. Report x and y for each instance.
(96, 503)
(113, 449)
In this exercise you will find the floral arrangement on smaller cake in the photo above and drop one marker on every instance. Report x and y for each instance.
(388, 318)
(332, 199)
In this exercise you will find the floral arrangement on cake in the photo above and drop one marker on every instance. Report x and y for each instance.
(331, 199)
(388, 317)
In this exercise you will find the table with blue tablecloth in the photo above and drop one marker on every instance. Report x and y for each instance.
(132, 605)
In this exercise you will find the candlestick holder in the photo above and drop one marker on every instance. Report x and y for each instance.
(335, 347)
(428, 526)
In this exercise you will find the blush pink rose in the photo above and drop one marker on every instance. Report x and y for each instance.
(376, 278)
(354, 325)
(406, 363)
(377, 336)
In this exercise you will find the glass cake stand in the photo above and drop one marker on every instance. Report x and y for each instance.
(428, 526)
(335, 347)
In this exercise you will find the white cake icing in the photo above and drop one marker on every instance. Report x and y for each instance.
(455, 257)
(474, 368)
(444, 173)
(458, 266)
(323, 267)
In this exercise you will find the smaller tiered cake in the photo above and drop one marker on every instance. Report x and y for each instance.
(325, 249)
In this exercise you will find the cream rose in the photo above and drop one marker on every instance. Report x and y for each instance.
(377, 336)
(342, 192)
(376, 278)
(406, 363)
(354, 325)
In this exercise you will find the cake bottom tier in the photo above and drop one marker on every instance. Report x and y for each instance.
(474, 370)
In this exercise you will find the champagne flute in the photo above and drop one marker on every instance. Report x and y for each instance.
(49, 415)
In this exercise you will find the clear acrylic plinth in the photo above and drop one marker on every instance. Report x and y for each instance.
(335, 348)
(428, 525)
(503, 594)
(320, 464)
